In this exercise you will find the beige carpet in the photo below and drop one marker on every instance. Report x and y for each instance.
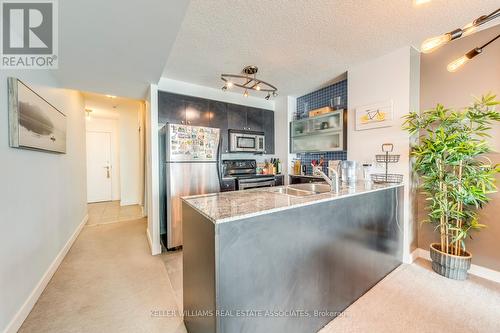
(415, 299)
(111, 211)
(108, 282)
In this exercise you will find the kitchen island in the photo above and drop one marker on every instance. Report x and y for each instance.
(282, 260)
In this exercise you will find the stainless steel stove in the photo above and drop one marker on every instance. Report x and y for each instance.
(245, 174)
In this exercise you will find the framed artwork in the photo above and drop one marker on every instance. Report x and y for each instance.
(34, 123)
(375, 115)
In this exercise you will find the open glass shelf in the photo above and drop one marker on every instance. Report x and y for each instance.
(320, 133)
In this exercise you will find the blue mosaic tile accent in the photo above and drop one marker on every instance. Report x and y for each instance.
(307, 158)
(315, 100)
(321, 98)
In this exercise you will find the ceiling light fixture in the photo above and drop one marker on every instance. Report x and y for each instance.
(434, 43)
(247, 80)
(421, 2)
(111, 96)
(457, 63)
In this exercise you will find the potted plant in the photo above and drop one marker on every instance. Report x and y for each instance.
(455, 176)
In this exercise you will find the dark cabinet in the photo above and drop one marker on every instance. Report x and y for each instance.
(228, 184)
(178, 109)
(245, 118)
(218, 119)
(268, 129)
(171, 108)
(237, 117)
(197, 112)
(194, 111)
(254, 119)
(279, 180)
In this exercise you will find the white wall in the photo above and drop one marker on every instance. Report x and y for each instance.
(152, 170)
(389, 77)
(42, 201)
(285, 107)
(96, 124)
(130, 157)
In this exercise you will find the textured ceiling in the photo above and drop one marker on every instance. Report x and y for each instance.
(114, 46)
(302, 45)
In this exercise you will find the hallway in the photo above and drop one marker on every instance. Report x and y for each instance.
(108, 282)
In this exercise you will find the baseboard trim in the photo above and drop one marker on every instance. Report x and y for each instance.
(150, 242)
(154, 249)
(28, 305)
(483, 272)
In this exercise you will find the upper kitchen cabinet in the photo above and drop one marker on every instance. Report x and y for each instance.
(197, 111)
(268, 129)
(218, 119)
(236, 117)
(171, 108)
(255, 119)
(194, 111)
(245, 118)
(178, 109)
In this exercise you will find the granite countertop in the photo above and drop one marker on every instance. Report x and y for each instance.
(229, 206)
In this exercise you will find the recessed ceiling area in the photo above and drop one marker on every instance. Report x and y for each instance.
(301, 45)
(103, 106)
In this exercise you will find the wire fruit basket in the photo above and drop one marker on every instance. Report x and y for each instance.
(387, 158)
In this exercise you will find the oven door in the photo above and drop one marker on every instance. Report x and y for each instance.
(245, 184)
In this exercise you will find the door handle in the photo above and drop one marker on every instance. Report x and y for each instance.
(108, 175)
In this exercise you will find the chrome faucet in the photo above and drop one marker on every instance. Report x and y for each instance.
(334, 183)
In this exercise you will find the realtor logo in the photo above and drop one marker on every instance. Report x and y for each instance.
(29, 34)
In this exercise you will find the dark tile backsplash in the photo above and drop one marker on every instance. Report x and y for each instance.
(307, 158)
(320, 98)
(315, 100)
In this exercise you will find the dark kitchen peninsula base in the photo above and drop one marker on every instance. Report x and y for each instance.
(272, 272)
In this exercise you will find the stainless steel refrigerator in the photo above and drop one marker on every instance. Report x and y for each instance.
(190, 165)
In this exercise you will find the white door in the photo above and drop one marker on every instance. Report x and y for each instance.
(99, 182)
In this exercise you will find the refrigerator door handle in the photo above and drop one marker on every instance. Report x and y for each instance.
(219, 161)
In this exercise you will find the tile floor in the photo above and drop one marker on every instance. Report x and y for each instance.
(111, 211)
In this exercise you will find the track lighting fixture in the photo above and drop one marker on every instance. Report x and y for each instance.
(432, 44)
(248, 81)
(457, 63)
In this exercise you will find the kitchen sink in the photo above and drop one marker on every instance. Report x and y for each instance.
(311, 187)
(291, 191)
(302, 190)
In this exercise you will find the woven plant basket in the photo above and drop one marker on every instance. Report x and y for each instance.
(449, 265)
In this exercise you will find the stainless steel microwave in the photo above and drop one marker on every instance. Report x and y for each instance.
(249, 142)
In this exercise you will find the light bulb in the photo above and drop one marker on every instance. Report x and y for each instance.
(456, 64)
(433, 43)
(245, 93)
(229, 84)
(257, 87)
